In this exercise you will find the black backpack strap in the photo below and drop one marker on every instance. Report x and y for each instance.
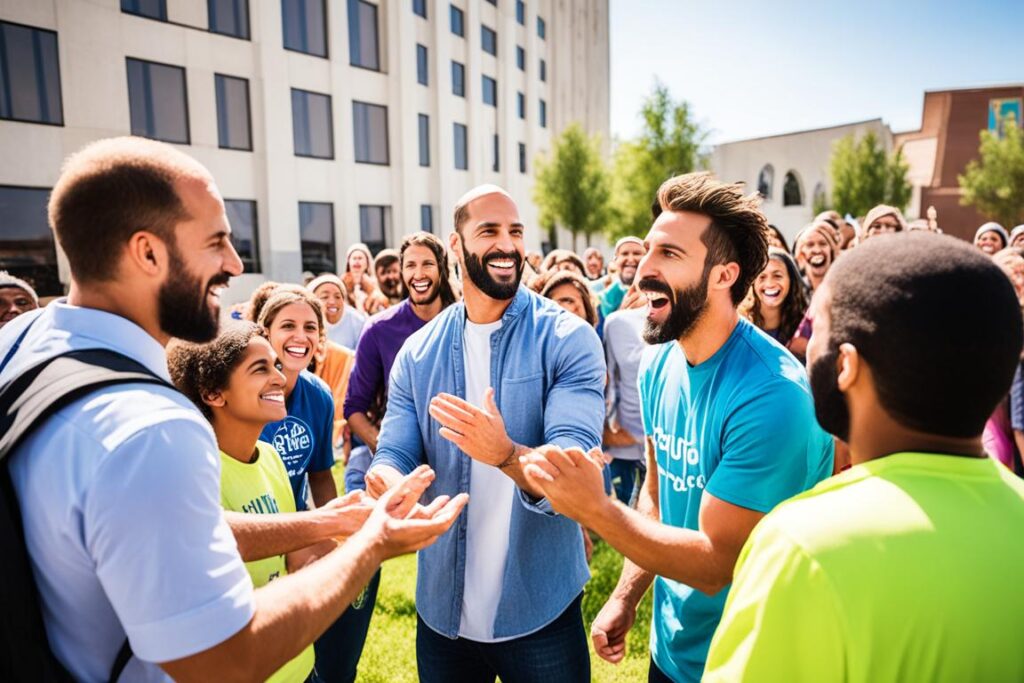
(25, 404)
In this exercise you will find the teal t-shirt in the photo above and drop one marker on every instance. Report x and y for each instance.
(741, 426)
(611, 298)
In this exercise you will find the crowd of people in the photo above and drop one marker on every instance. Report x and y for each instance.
(813, 454)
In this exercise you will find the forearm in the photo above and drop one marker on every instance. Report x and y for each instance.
(322, 487)
(364, 429)
(290, 613)
(262, 536)
(298, 559)
(675, 553)
(634, 581)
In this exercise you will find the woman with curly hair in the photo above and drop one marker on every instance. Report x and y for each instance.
(778, 298)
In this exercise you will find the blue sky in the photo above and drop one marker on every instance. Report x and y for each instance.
(751, 68)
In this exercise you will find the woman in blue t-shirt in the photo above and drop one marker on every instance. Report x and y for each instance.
(294, 322)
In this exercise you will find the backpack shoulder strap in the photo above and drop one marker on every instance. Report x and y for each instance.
(44, 389)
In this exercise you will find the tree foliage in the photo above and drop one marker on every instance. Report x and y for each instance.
(994, 184)
(668, 145)
(572, 187)
(864, 175)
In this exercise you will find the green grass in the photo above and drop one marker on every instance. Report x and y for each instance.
(390, 652)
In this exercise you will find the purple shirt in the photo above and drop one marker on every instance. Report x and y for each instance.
(382, 337)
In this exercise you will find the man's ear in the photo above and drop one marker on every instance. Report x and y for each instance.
(723, 275)
(848, 366)
(214, 399)
(147, 253)
(455, 243)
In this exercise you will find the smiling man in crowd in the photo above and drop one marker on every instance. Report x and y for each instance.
(484, 382)
(628, 252)
(16, 297)
(729, 426)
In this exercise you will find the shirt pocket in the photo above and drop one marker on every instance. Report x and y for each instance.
(522, 408)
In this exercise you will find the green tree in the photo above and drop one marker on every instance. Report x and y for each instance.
(668, 145)
(994, 185)
(863, 176)
(572, 186)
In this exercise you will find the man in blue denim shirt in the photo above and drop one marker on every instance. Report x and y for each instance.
(485, 382)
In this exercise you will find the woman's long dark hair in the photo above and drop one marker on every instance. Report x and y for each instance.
(793, 308)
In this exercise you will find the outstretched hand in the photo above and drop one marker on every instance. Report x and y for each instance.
(570, 479)
(478, 432)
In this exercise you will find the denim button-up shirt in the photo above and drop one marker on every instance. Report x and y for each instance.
(548, 373)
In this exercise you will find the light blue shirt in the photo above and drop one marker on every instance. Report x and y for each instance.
(740, 426)
(120, 498)
(547, 369)
(349, 328)
(624, 347)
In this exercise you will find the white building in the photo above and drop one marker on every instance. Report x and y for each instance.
(325, 122)
(791, 169)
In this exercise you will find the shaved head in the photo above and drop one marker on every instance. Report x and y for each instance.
(462, 206)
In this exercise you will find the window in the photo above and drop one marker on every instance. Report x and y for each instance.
(316, 231)
(421, 65)
(151, 9)
(229, 17)
(496, 154)
(312, 126)
(490, 87)
(522, 157)
(426, 218)
(362, 35)
(424, 126)
(493, 2)
(521, 12)
(374, 227)
(542, 29)
(458, 21)
(419, 8)
(543, 71)
(157, 102)
(520, 58)
(29, 75)
(26, 241)
(458, 79)
(792, 193)
(371, 133)
(461, 157)
(543, 114)
(305, 26)
(489, 40)
(233, 119)
(244, 233)
(766, 181)
(521, 105)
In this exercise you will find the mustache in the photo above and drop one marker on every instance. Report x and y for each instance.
(219, 280)
(496, 255)
(649, 284)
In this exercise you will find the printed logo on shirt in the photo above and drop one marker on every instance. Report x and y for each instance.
(264, 504)
(678, 450)
(294, 441)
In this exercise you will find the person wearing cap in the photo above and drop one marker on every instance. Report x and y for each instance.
(1017, 236)
(881, 220)
(991, 237)
(344, 322)
(628, 252)
(16, 297)
(594, 260)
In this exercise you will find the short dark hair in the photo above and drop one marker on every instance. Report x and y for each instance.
(112, 189)
(938, 323)
(737, 233)
(434, 243)
(384, 259)
(201, 369)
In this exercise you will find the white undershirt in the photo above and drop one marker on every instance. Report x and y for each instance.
(489, 513)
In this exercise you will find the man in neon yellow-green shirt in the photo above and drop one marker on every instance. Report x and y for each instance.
(906, 566)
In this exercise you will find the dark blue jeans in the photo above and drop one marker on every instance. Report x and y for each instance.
(627, 478)
(557, 652)
(656, 675)
(339, 648)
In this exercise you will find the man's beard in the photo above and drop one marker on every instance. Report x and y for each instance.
(688, 305)
(476, 269)
(428, 298)
(829, 403)
(182, 310)
(391, 288)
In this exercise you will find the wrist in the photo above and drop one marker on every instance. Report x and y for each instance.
(370, 544)
(511, 459)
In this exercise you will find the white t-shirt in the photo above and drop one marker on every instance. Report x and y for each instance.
(489, 518)
(120, 500)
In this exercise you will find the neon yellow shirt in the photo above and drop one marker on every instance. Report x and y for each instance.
(262, 487)
(905, 568)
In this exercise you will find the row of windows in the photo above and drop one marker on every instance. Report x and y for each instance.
(792, 189)
(304, 24)
(27, 248)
